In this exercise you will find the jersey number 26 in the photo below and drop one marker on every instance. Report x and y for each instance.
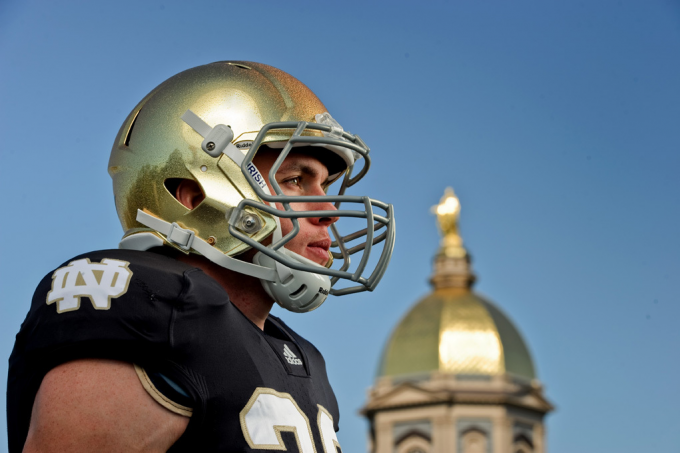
(268, 413)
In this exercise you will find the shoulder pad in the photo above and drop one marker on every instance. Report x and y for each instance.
(105, 297)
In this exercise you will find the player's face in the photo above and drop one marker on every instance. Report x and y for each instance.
(301, 174)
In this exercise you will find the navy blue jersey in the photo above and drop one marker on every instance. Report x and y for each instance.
(250, 390)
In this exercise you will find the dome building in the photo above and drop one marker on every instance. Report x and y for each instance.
(456, 375)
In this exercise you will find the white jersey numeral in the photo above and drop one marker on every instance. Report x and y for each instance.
(269, 413)
(328, 437)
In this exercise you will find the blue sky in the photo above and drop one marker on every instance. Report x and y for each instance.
(555, 122)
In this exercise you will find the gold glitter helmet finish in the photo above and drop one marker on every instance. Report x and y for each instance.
(206, 124)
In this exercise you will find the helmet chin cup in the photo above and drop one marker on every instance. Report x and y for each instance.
(300, 291)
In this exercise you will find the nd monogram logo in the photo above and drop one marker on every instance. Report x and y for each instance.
(101, 282)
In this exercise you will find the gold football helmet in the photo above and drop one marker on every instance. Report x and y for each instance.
(206, 124)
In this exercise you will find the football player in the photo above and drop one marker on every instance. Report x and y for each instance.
(223, 181)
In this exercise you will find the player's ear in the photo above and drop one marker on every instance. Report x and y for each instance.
(189, 193)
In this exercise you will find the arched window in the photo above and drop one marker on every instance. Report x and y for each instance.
(522, 444)
(413, 442)
(474, 441)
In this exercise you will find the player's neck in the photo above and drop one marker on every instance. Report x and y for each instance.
(245, 292)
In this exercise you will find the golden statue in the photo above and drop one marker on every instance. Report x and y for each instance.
(448, 211)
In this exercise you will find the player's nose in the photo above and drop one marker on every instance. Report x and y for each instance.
(322, 206)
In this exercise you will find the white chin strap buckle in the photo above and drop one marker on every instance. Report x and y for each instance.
(182, 238)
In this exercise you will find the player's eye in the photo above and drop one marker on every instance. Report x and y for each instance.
(295, 181)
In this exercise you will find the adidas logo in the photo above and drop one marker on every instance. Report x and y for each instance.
(290, 356)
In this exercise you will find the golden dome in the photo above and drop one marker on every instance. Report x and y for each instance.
(453, 330)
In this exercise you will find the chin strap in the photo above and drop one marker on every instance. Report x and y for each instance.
(187, 240)
(294, 290)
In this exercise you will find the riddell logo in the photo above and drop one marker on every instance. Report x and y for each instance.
(323, 291)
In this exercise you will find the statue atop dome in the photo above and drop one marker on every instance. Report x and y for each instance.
(448, 212)
(452, 262)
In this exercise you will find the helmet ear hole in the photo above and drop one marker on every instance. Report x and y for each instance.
(187, 191)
